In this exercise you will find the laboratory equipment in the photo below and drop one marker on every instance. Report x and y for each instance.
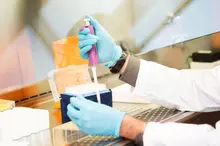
(66, 52)
(205, 59)
(106, 98)
(69, 134)
(93, 56)
(41, 138)
(72, 80)
(157, 114)
(13, 143)
(20, 123)
(66, 134)
(96, 82)
(61, 79)
(6, 105)
(108, 51)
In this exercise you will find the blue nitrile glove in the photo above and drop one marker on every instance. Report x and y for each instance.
(94, 118)
(109, 53)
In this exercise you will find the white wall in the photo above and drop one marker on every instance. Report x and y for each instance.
(61, 16)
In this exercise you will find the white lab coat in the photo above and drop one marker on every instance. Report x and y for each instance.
(185, 90)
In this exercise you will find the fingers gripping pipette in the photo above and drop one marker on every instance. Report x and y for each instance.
(93, 54)
(93, 57)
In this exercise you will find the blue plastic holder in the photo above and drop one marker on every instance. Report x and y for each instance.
(105, 95)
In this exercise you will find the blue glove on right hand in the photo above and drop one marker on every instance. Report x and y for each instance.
(109, 53)
(94, 118)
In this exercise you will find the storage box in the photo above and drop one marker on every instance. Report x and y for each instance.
(75, 80)
(105, 95)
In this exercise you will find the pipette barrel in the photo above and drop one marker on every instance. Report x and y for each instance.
(93, 53)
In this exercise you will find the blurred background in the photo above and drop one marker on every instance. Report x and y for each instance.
(167, 32)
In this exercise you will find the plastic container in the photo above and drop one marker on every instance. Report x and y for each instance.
(6, 105)
(63, 78)
(66, 134)
(67, 52)
(72, 79)
(42, 138)
(105, 96)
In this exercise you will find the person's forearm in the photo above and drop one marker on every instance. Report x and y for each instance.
(129, 71)
(131, 127)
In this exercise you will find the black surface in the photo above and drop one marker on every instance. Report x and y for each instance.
(203, 57)
(204, 118)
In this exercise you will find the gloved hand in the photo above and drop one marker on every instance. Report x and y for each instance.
(109, 53)
(94, 118)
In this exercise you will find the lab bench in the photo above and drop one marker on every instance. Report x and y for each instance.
(143, 111)
(149, 112)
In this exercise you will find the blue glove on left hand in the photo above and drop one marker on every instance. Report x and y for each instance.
(94, 118)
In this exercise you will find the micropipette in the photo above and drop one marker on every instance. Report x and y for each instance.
(93, 57)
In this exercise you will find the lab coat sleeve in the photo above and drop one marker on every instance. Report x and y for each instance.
(131, 72)
(186, 90)
(177, 134)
